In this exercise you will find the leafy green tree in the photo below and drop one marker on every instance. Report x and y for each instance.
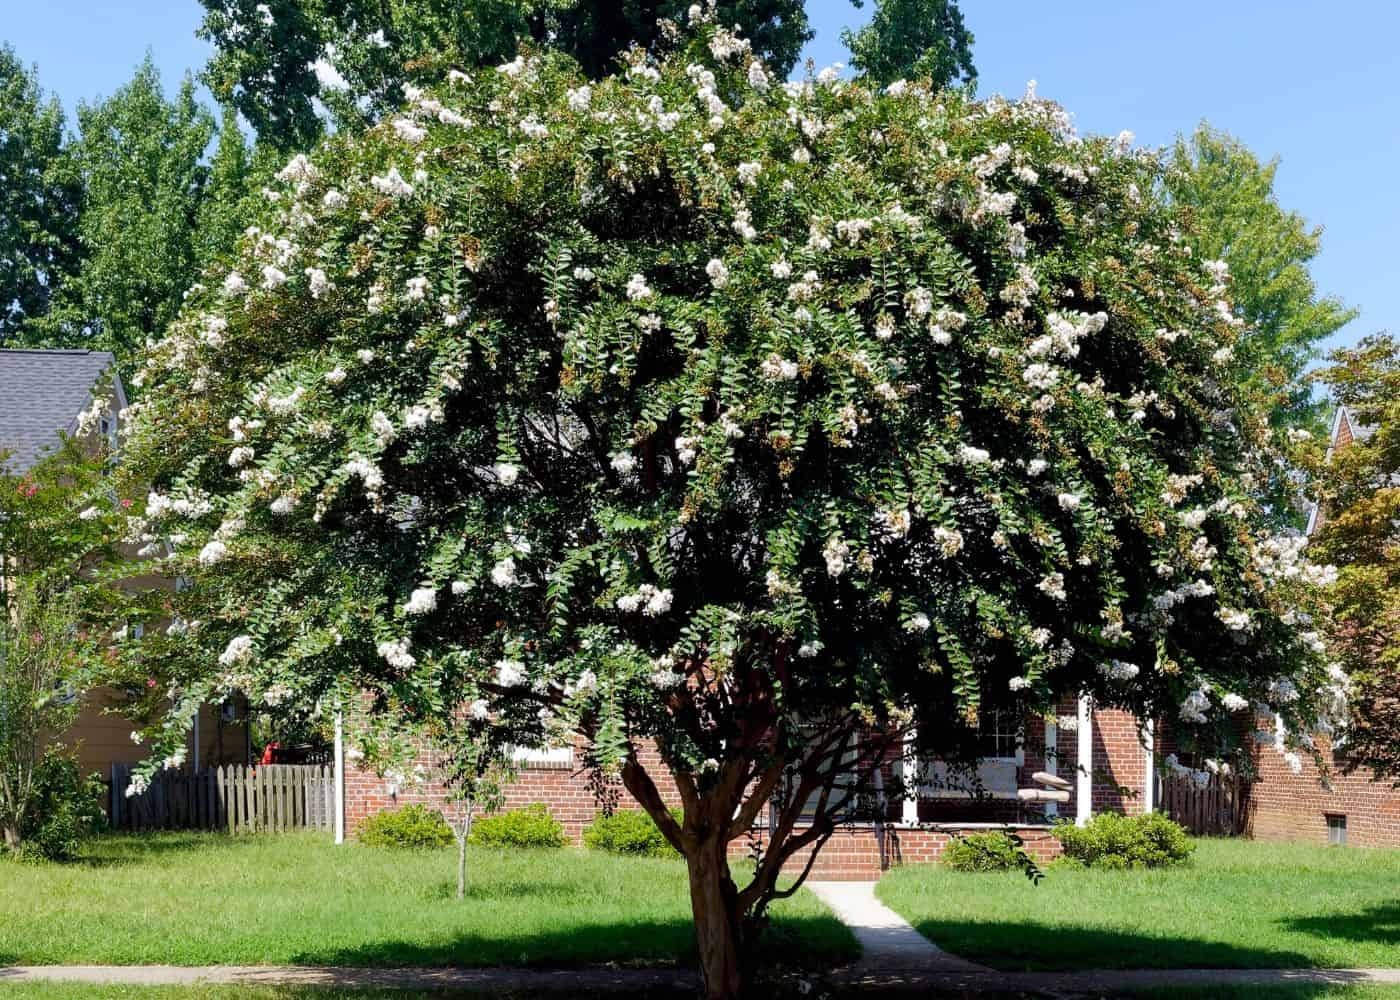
(913, 39)
(57, 527)
(39, 197)
(277, 61)
(226, 205)
(1235, 217)
(755, 424)
(1358, 488)
(141, 159)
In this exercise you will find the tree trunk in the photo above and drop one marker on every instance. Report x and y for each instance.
(10, 834)
(461, 867)
(462, 830)
(718, 923)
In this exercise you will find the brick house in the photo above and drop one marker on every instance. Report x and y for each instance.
(42, 394)
(1351, 808)
(1120, 778)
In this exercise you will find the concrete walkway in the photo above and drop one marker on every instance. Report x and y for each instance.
(888, 942)
(572, 982)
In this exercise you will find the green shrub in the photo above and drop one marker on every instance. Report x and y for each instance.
(628, 831)
(982, 852)
(67, 807)
(531, 826)
(415, 827)
(1110, 840)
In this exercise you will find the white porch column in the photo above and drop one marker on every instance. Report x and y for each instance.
(1052, 763)
(909, 771)
(1084, 785)
(1149, 775)
(339, 779)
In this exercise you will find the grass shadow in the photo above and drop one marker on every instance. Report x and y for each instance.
(113, 850)
(1030, 946)
(1379, 924)
(807, 942)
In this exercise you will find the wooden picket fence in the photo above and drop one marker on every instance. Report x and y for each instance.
(270, 798)
(1217, 808)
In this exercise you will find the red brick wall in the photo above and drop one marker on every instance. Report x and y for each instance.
(856, 852)
(864, 853)
(1288, 806)
(1120, 762)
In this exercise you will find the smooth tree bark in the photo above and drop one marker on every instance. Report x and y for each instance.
(461, 830)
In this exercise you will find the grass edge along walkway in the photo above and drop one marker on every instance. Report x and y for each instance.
(595, 980)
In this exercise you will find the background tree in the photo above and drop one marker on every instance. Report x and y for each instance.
(56, 526)
(277, 61)
(1235, 216)
(1358, 487)
(227, 202)
(39, 197)
(913, 39)
(752, 423)
(141, 159)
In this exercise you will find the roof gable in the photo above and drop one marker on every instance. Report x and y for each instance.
(41, 394)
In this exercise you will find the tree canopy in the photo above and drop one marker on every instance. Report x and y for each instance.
(909, 39)
(141, 160)
(1358, 492)
(1235, 216)
(754, 421)
(277, 61)
(39, 197)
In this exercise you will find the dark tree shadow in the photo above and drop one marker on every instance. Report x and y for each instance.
(1379, 923)
(1028, 946)
(797, 942)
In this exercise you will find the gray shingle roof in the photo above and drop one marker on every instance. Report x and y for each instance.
(41, 394)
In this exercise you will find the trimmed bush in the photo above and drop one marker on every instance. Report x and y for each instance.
(531, 826)
(414, 827)
(629, 831)
(1118, 842)
(67, 809)
(993, 851)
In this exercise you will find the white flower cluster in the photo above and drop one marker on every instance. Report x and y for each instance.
(1119, 670)
(835, 552)
(1196, 705)
(239, 650)
(422, 601)
(395, 652)
(648, 599)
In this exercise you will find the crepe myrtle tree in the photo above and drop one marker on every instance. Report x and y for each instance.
(458, 748)
(752, 422)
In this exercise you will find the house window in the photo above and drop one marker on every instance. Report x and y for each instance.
(998, 734)
(1336, 830)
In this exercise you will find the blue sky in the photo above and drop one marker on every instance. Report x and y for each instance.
(1309, 82)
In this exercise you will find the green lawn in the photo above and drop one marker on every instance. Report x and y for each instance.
(196, 899)
(1238, 904)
